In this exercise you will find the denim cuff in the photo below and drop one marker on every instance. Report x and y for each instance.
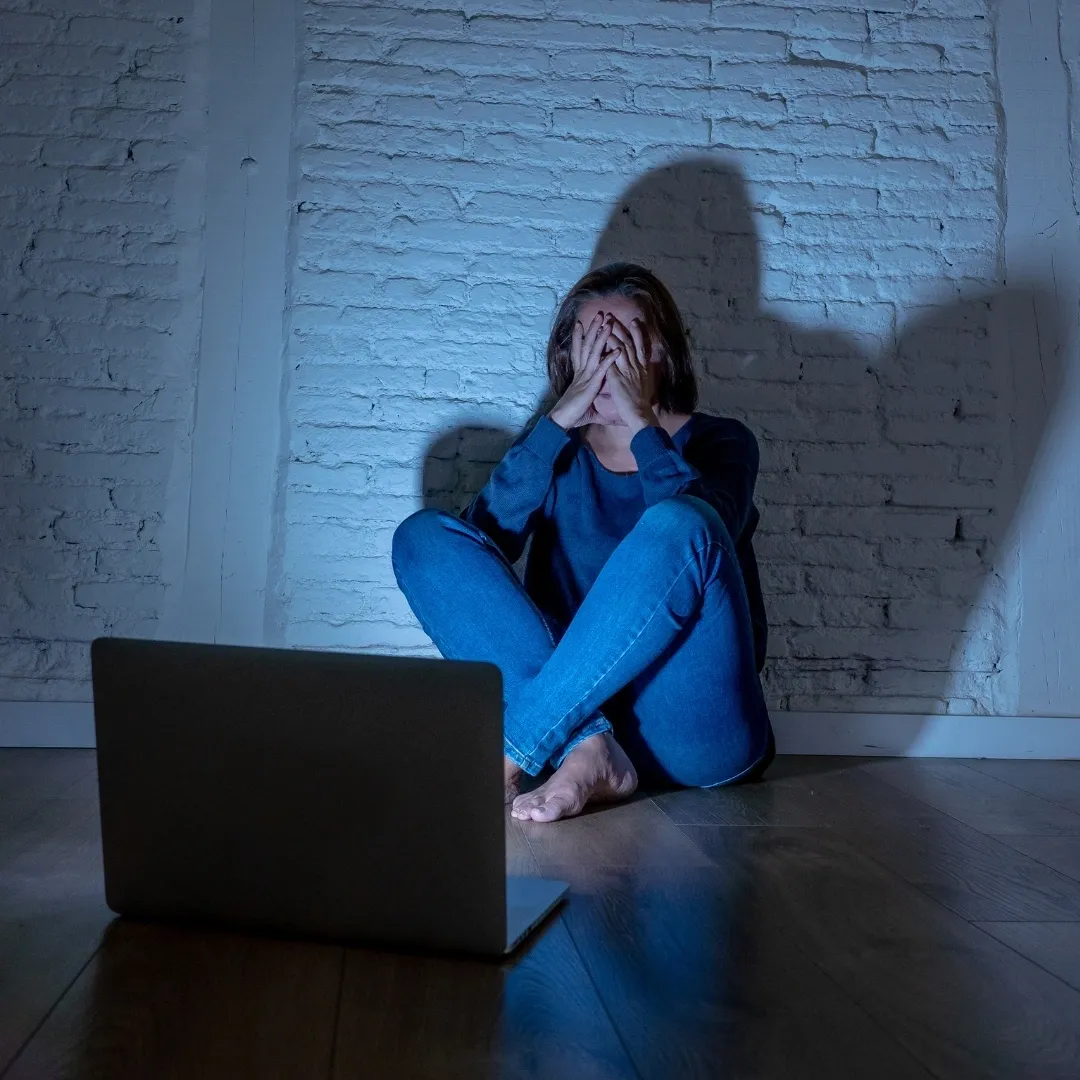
(534, 764)
(523, 762)
(593, 727)
(546, 439)
(650, 444)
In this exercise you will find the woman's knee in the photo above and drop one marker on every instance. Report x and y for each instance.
(416, 536)
(687, 514)
(704, 747)
(706, 770)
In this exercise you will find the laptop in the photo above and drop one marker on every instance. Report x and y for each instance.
(346, 797)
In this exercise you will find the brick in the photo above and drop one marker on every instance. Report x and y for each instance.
(707, 101)
(791, 79)
(673, 70)
(876, 172)
(346, 18)
(935, 87)
(562, 34)
(622, 124)
(471, 58)
(688, 14)
(727, 43)
(831, 24)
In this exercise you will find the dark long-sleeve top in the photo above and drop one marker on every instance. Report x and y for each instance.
(550, 484)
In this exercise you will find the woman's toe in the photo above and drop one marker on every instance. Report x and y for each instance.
(555, 806)
(546, 811)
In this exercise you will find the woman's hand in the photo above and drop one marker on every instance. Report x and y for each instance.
(630, 381)
(575, 407)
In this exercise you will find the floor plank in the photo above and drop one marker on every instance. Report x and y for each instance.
(519, 857)
(52, 912)
(963, 1004)
(42, 773)
(1054, 946)
(537, 1015)
(789, 795)
(86, 787)
(974, 874)
(1055, 781)
(983, 802)
(697, 983)
(632, 834)
(176, 1003)
(441, 1018)
(703, 978)
(1062, 853)
(13, 814)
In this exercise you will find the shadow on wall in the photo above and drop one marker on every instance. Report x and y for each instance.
(886, 487)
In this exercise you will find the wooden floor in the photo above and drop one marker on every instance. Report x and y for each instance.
(845, 918)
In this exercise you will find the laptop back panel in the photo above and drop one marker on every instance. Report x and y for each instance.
(335, 795)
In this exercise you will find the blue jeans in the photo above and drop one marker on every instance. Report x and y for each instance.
(660, 650)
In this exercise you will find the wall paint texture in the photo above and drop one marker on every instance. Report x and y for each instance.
(841, 199)
(102, 122)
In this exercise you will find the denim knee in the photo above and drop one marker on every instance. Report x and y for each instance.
(698, 768)
(414, 537)
(685, 515)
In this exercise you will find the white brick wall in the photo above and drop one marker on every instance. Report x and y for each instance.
(460, 168)
(98, 326)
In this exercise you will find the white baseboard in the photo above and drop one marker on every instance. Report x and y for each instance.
(46, 723)
(64, 723)
(906, 735)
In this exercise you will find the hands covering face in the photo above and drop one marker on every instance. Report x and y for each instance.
(629, 379)
(608, 350)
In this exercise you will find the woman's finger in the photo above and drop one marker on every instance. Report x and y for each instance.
(601, 342)
(596, 327)
(575, 345)
(597, 350)
(635, 358)
(637, 331)
(586, 342)
(632, 376)
(625, 338)
(602, 367)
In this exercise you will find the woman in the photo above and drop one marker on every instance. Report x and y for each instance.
(634, 646)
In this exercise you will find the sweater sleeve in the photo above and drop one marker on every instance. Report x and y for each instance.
(727, 457)
(508, 505)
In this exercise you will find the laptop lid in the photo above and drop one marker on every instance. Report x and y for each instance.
(345, 796)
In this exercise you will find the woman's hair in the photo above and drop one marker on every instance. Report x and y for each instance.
(678, 392)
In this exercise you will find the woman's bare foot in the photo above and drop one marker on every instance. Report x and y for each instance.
(512, 774)
(596, 770)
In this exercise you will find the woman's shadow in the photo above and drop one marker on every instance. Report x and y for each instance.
(893, 458)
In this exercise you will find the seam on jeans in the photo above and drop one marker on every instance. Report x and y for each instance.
(743, 772)
(408, 597)
(652, 615)
(486, 541)
(749, 768)
(522, 761)
(528, 762)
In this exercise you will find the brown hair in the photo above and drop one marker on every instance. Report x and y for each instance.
(677, 390)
